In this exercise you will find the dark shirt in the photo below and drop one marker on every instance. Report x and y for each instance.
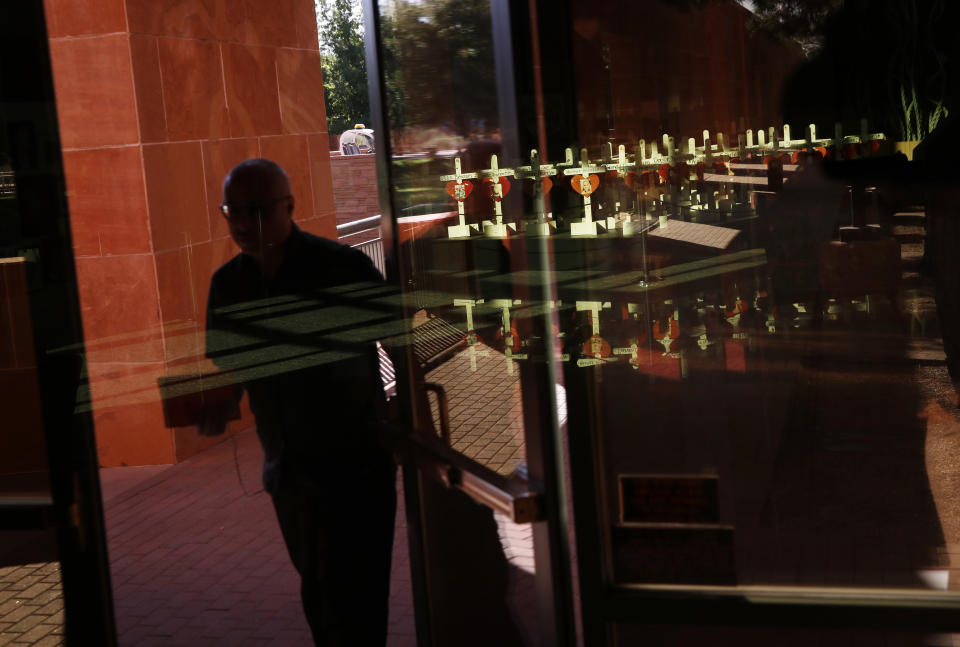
(303, 346)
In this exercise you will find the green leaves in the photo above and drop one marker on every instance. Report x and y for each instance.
(344, 64)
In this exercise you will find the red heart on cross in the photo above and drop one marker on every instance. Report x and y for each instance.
(459, 191)
(664, 172)
(597, 347)
(584, 184)
(512, 339)
(489, 183)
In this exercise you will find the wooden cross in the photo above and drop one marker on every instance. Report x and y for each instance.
(460, 192)
(567, 162)
(496, 228)
(584, 182)
(668, 147)
(538, 173)
(787, 142)
(598, 352)
(633, 349)
(507, 331)
(472, 338)
(722, 145)
(707, 150)
(621, 166)
(667, 341)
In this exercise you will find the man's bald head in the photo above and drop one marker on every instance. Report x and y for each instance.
(259, 174)
(259, 207)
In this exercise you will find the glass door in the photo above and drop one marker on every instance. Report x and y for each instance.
(483, 473)
(758, 357)
(693, 263)
(54, 582)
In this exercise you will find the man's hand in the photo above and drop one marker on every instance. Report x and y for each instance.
(212, 422)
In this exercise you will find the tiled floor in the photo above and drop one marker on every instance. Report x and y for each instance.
(197, 556)
(197, 559)
(31, 605)
(484, 407)
(196, 553)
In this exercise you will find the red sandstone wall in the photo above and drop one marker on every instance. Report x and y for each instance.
(157, 99)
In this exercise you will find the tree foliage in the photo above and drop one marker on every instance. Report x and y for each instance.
(800, 20)
(884, 60)
(344, 64)
(439, 64)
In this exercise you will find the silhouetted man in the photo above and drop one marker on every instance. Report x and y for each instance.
(285, 318)
(937, 157)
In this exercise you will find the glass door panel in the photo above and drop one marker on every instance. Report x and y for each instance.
(758, 387)
(481, 467)
(702, 233)
(53, 582)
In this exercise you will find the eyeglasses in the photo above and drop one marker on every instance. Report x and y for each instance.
(232, 211)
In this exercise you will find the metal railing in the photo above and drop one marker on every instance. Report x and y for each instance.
(373, 248)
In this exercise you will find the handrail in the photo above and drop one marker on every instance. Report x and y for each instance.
(508, 496)
(358, 226)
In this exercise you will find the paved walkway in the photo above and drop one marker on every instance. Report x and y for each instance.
(31, 605)
(196, 553)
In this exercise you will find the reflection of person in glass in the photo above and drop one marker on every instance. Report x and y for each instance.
(937, 154)
(283, 319)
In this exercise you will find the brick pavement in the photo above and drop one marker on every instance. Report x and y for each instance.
(196, 554)
(31, 605)
(484, 407)
(197, 557)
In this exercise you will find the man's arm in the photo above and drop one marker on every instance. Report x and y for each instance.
(221, 404)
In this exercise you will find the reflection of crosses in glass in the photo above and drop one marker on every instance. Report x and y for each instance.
(585, 168)
(622, 165)
(536, 169)
(595, 347)
(471, 335)
(538, 173)
(460, 192)
(505, 329)
(585, 185)
(494, 173)
(567, 160)
(459, 175)
(786, 136)
(594, 308)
